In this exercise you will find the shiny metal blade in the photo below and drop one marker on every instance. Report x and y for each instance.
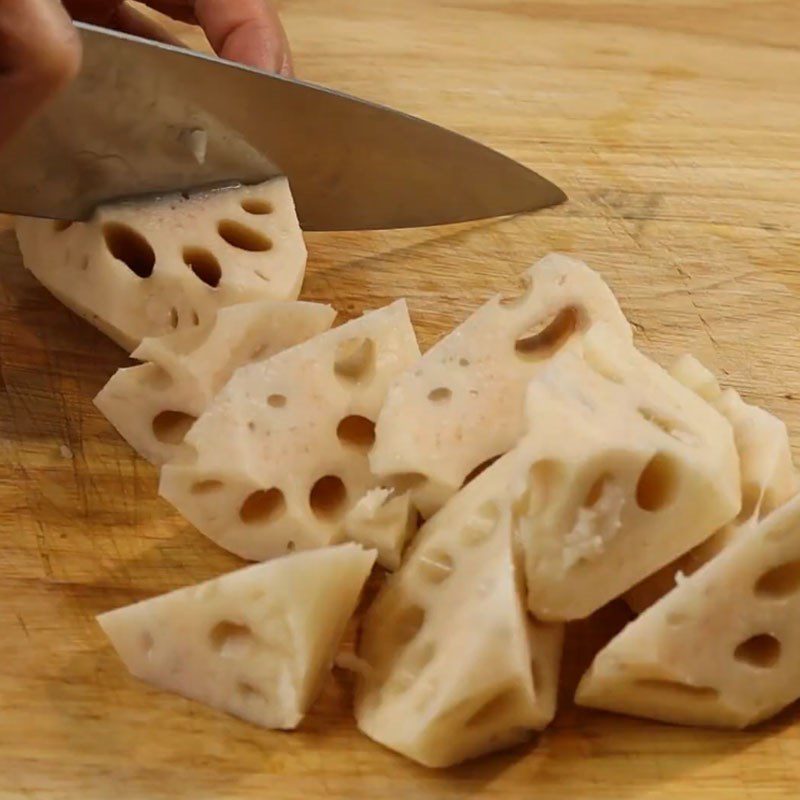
(147, 118)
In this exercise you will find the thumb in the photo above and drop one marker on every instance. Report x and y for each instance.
(39, 54)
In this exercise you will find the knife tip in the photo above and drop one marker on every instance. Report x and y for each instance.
(538, 192)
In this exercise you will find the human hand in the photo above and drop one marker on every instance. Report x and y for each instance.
(248, 31)
(40, 49)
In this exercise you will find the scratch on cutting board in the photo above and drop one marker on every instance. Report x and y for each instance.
(44, 554)
(648, 209)
(634, 208)
(135, 469)
(80, 486)
(621, 220)
(686, 277)
(647, 213)
(22, 624)
(65, 418)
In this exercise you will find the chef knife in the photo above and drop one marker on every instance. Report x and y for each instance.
(145, 118)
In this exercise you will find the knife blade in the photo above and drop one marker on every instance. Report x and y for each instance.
(145, 118)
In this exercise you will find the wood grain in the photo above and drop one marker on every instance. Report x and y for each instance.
(674, 126)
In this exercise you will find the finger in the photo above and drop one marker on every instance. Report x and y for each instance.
(39, 53)
(129, 20)
(98, 12)
(181, 10)
(123, 17)
(248, 31)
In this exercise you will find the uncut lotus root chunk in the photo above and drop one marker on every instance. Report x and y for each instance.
(280, 456)
(627, 470)
(463, 404)
(721, 649)
(257, 643)
(145, 268)
(153, 404)
(454, 667)
(768, 476)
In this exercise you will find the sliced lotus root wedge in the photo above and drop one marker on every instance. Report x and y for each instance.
(722, 648)
(454, 667)
(631, 470)
(257, 643)
(464, 403)
(622, 470)
(146, 268)
(280, 456)
(154, 404)
(768, 476)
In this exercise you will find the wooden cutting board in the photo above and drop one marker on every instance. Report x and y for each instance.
(675, 128)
